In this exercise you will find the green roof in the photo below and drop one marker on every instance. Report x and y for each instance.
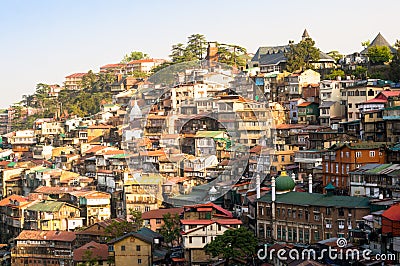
(210, 134)
(284, 183)
(46, 206)
(12, 164)
(119, 156)
(330, 187)
(316, 199)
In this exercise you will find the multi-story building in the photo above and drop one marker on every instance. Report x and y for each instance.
(142, 192)
(308, 113)
(91, 253)
(390, 230)
(202, 223)
(12, 211)
(340, 159)
(136, 248)
(376, 181)
(50, 215)
(22, 140)
(95, 206)
(143, 65)
(329, 113)
(73, 81)
(43, 248)
(300, 217)
(154, 219)
(96, 232)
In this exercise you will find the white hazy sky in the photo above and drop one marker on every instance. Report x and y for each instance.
(46, 40)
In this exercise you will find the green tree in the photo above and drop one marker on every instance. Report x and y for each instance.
(196, 46)
(89, 259)
(136, 218)
(335, 55)
(300, 56)
(233, 244)
(335, 73)
(117, 229)
(171, 229)
(135, 55)
(394, 71)
(360, 72)
(89, 81)
(196, 49)
(179, 53)
(232, 55)
(379, 54)
(366, 43)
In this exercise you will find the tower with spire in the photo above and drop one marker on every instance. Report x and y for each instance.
(305, 35)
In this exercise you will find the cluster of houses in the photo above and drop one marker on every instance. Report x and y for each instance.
(297, 159)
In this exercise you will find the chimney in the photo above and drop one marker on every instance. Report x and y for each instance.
(310, 183)
(273, 189)
(258, 184)
(294, 180)
(212, 52)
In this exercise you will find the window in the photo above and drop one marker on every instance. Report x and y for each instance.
(328, 211)
(300, 214)
(358, 154)
(137, 248)
(350, 105)
(203, 239)
(282, 158)
(371, 153)
(341, 224)
(122, 248)
(139, 261)
(316, 235)
(347, 154)
(190, 239)
(316, 217)
(158, 221)
(337, 168)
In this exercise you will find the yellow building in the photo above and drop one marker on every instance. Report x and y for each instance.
(136, 248)
(52, 215)
(143, 192)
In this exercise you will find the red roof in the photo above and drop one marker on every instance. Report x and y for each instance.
(393, 213)
(390, 93)
(95, 149)
(210, 204)
(158, 214)
(289, 126)
(197, 222)
(204, 209)
(149, 60)
(46, 235)
(11, 199)
(76, 75)
(97, 250)
(375, 100)
(305, 104)
(112, 66)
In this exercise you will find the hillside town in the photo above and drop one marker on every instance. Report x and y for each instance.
(206, 162)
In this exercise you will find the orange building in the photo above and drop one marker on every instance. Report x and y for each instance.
(340, 159)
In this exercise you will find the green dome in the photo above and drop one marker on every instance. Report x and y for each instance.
(284, 183)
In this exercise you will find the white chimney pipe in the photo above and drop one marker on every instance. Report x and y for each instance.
(294, 180)
(310, 183)
(258, 186)
(273, 189)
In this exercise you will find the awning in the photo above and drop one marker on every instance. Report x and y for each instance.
(292, 166)
(204, 209)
